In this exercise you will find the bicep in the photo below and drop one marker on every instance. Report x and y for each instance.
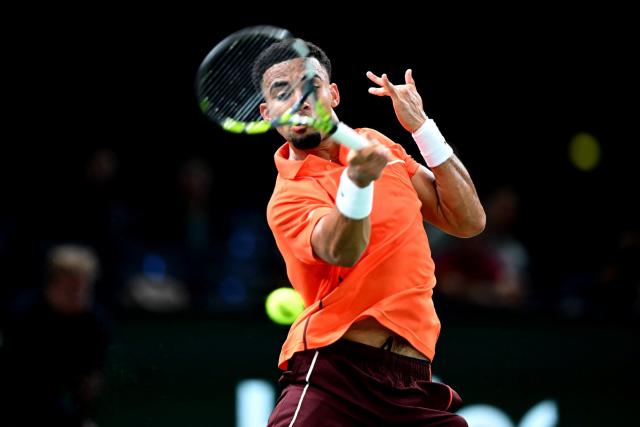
(424, 182)
(319, 238)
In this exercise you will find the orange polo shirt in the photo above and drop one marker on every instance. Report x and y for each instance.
(393, 280)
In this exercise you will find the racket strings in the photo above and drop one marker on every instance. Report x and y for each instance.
(228, 85)
(226, 64)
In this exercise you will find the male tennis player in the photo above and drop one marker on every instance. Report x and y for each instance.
(350, 228)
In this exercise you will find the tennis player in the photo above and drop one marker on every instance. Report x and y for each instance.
(350, 228)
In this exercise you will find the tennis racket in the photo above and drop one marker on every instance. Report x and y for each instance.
(229, 95)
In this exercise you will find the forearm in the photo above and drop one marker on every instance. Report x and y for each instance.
(450, 200)
(339, 240)
(458, 203)
(454, 206)
(341, 237)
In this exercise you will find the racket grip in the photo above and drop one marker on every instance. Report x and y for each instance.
(349, 137)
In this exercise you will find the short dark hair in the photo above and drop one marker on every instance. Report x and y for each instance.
(282, 51)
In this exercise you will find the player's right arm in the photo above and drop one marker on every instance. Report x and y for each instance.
(338, 239)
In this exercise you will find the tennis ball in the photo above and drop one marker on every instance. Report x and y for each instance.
(584, 151)
(284, 305)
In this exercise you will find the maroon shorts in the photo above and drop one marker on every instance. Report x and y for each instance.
(351, 384)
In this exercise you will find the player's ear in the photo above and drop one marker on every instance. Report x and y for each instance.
(335, 95)
(264, 111)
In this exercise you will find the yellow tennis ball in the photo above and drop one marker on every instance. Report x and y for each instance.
(584, 151)
(284, 305)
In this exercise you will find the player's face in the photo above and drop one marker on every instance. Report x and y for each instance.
(281, 85)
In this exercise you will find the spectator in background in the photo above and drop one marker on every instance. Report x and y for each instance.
(199, 232)
(55, 346)
(490, 270)
(616, 295)
(104, 218)
(177, 259)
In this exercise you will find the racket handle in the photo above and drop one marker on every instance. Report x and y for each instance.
(349, 137)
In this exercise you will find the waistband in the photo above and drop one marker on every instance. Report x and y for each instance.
(370, 358)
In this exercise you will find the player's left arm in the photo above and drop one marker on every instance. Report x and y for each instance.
(449, 198)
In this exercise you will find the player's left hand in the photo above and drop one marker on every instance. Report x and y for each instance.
(407, 102)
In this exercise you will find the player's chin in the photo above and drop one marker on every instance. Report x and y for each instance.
(306, 140)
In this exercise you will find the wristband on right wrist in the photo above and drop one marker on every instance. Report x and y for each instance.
(433, 147)
(352, 201)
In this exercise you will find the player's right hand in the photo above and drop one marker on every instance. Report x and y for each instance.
(366, 164)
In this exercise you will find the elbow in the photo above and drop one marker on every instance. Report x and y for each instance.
(347, 262)
(475, 225)
(477, 229)
(346, 259)
(346, 255)
(345, 246)
(470, 227)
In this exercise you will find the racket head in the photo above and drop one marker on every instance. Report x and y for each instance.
(229, 85)
(227, 89)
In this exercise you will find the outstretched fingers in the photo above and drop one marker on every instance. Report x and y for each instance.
(386, 87)
(377, 80)
(378, 91)
(408, 77)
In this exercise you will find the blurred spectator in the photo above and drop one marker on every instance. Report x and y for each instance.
(172, 267)
(490, 270)
(616, 295)
(196, 248)
(7, 233)
(609, 291)
(195, 179)
(55, 345)
(104, 219)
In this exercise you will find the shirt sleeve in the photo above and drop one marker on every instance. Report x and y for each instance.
(292, 217)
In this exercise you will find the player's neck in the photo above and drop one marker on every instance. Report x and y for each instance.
(328, 150)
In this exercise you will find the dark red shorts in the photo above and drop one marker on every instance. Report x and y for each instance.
(351, 384)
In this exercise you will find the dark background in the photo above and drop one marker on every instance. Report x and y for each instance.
(507, 88)
(507, 92)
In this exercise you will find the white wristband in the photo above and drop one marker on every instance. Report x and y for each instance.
(352, 201)
(433, 147)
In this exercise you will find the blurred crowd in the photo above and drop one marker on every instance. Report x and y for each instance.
(181, 248)
(95, 250)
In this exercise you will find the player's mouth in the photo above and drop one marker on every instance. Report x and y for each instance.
(299, 129)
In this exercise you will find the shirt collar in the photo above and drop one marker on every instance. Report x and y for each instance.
(311, 166)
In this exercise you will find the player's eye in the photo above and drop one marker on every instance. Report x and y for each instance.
(283, 95)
